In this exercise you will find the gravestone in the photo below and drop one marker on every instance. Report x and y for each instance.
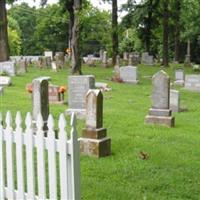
(174, 101)
(48, 61)
(54, 95)
(160, 112)
(192, 82)
(40, 99)
(94, 141)
(60, 59)
(147, 59)
(105, 59)
(101, 54)
(125, 56)
(21, 67)
(1, 91)
(128, 74)
(179, 77)
(78, 87)
(54, 66)
(5, 80)
(8, 67)
(48, 54)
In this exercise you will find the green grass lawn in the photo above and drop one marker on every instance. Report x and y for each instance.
(172, 170)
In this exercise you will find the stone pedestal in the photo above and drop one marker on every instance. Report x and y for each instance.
(94, 141)
(95, 147)
(160, 116)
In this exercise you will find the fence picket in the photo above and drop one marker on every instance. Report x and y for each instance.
(63, 157)
(30, 158)
(19, 157)
(40, 158)
(9, 156)
(75, 157)
(52, 159)
(2, 182)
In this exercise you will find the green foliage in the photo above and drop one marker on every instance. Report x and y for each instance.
(130, 42)
(96, 30)
(14, 37)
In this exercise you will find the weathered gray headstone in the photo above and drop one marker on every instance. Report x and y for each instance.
(160, 112)
(105, 59)
(8, 67)
(1, 91)
(125, 56)
(101, 54)
(147, 59)
(60, 59)
(94, 141)
(192, 82)
(78, 87)
(5, 80)
(48, 54)
(21, 67)
(179, 77)
(130, 60)
(40, 98)
(174, 101)
(128, 74)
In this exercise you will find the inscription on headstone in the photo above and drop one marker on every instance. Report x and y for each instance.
(192, 82)
(8, 67)
(128, 74)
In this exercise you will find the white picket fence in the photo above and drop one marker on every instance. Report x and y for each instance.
(31, 164)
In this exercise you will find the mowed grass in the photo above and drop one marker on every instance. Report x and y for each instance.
(172, 170)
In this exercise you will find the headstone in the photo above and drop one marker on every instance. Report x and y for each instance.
(101, 54)
(94, 141)
(105, 59)
(21, 67)
(125, 56)
(1, 91)
(60, 59)
(54, 95)
(179, 77)
(174, 101)
(78, 87)
(8, 67)
(54, 66)
(48, 61)
(40, 99)
(192, 82)
(160, 112)
(147, 59)
(128, 74)
(5, 80)
(48, 54)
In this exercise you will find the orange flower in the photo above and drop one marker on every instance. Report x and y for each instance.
(29, 88)
(62, 89)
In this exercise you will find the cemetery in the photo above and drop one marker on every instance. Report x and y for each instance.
(93, 120)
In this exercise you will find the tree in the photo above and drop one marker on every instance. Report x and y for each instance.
(115, 42)
(4, 47)
(165, 33)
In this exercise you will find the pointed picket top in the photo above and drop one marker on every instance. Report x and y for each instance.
(28, 120)
(50, 122)
(62, 122)
(39, 121)
(8, 119)
(73, 120)
(18, 119)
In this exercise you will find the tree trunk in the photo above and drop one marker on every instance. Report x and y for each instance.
(75, 42)
(177, 30)
(114, 31)
(71, 24)
(4, 48)
(149, 21)
(165, 33)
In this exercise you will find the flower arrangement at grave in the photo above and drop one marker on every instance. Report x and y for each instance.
(29, 88)
(61, 91)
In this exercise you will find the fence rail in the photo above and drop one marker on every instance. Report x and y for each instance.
(32, 166)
